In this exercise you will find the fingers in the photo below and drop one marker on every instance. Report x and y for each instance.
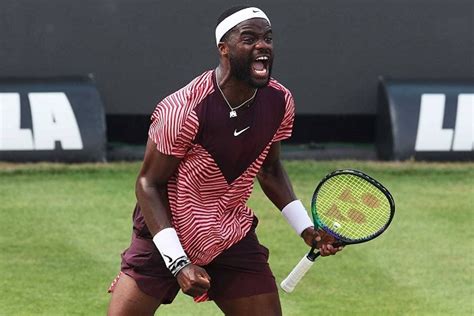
(193, 280)
(326, 243)
(326, 250)
(329, 245)
(329, 250)
(204, 279)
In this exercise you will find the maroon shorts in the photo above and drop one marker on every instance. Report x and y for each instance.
(240, 271)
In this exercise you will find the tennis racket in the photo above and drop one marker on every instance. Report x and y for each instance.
(350, 206)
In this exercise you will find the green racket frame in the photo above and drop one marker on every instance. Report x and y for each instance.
(344, 240)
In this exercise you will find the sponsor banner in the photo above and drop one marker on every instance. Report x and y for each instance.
(425, 120)
(51, 120)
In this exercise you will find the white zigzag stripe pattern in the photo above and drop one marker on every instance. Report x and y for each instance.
(208, 214)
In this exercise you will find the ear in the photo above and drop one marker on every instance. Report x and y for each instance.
(223, 48)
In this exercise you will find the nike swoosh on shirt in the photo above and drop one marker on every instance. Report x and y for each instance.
(237, 133)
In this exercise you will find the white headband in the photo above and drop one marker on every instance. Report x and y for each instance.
(234, 19)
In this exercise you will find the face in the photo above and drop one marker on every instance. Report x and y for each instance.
(251, 52)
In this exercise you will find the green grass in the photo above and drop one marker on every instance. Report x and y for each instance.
(63, 227)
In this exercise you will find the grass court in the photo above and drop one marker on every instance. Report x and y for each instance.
(63, 227)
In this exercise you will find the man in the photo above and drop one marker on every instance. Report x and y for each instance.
(207, 142)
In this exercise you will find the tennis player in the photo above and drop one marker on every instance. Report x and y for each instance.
(207, 142)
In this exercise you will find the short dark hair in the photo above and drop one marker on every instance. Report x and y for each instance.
(226, 14)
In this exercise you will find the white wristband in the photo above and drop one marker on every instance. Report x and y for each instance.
(171, 251)
(296, 215)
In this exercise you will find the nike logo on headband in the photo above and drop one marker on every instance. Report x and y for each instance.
(232, 20)
(237, 133)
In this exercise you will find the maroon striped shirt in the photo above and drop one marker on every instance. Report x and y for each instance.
(220, 159)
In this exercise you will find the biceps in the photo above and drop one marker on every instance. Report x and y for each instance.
(272, 161)
(158, 168)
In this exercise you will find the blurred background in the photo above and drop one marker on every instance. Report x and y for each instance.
(335, 56)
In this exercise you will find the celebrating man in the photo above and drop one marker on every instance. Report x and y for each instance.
(207, 142)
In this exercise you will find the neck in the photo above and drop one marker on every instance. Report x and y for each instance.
(235, 91)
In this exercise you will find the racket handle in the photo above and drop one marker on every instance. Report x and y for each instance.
(298, 272)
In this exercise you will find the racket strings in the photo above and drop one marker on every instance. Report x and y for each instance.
(351, 207)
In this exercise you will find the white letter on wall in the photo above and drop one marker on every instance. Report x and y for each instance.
(430, 135)
(54, 120)
(12, 137)
(464, 131)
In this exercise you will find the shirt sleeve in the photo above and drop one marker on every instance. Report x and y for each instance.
(286, 126)
(173, 126)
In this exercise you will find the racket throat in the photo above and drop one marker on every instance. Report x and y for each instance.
(312, 255)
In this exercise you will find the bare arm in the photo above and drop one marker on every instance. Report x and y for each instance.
(152, 196)
(277, 187)
(274, 180)
(151, 187)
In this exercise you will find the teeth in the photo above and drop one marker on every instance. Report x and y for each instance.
(262, 58)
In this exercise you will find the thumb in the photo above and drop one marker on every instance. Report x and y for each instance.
(204, 282)
(203, 275)
(317, 237)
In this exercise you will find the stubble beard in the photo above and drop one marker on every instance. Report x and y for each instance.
(241, 70)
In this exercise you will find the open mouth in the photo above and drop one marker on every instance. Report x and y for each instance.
(260, 66)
